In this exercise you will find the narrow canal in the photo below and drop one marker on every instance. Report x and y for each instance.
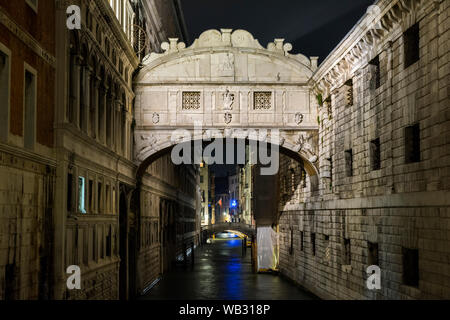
(223, 272)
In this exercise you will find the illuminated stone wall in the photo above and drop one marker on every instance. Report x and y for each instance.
(394, 212)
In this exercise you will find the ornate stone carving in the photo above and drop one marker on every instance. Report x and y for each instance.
(145, 142)
(155, 118)
(298, 118)
(227, 38)
(279, 46)
(227, 64)
(302, 143)
(242, 38)
(228, 100)
(172, 46)
(228, 117)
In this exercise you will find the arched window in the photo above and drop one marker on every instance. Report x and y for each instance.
(73, 45)
(123, 125)
(82, 106)
(82, 116)
(101, 105)
(108, 109)
(92, 102)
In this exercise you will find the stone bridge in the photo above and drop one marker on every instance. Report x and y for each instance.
(246, 229)
(227, 85)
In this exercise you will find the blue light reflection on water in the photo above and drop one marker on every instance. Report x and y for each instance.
(234, 243)
(226, 235)
(233, 280)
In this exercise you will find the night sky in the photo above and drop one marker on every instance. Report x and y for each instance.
(313, 27)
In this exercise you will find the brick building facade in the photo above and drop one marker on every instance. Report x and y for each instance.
(69, 190)
(27, 159)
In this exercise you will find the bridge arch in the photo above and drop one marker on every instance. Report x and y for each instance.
(230, 226)
(302, 157)
(227, 82)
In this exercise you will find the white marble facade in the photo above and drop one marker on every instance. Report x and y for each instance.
(225, 80)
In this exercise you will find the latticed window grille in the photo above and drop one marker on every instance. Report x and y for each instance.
(191, 100)
(262, 100)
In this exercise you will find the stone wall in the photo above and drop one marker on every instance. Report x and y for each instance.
(104, 227)
(27, 161)
(400, 209)
(99, 284)
(168, 222)
(26, 196)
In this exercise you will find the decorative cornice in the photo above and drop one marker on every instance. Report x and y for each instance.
(226, 38)
(26, 38)
(355, 49)
(114, 24)
(25, 154)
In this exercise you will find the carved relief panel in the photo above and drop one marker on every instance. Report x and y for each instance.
(227, 100)
(222, 65)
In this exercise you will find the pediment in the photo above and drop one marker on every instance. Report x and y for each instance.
(225, 56)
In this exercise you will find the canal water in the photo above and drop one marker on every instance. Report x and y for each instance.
(222, 272)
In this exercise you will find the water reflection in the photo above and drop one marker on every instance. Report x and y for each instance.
(226, 235)
(223, 272)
